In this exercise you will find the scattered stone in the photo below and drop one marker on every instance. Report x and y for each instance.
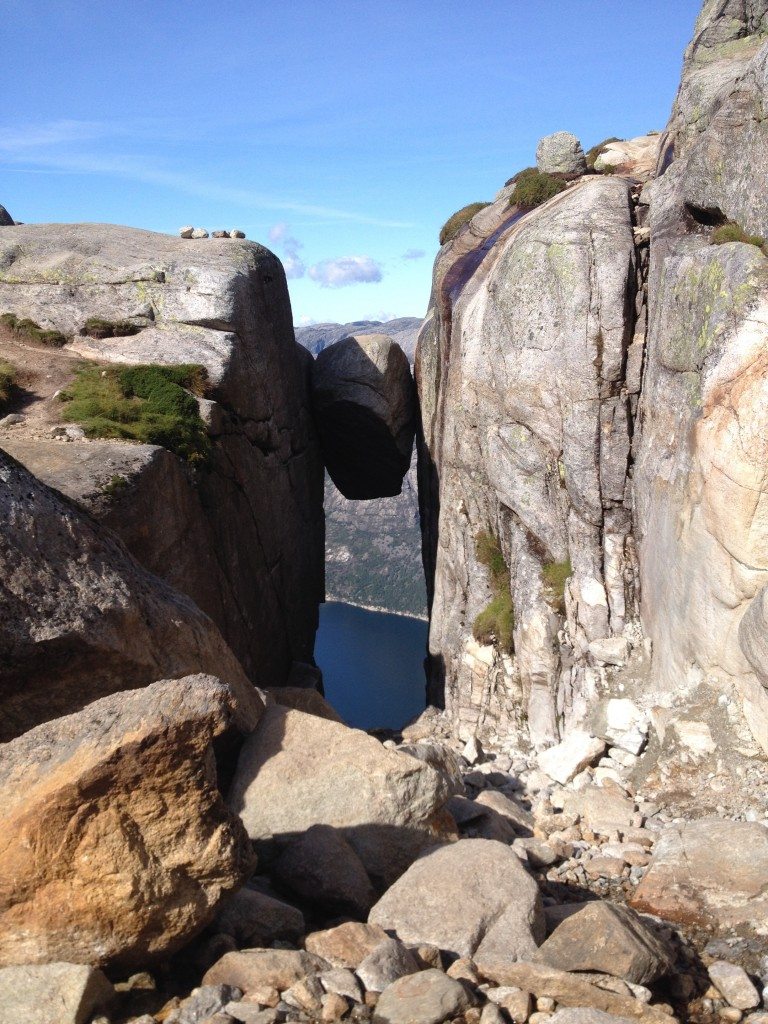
(388, 962)
(610, 650)
(298, 770)
(516, 1002)
(11, 419)
(560, 153)
(733, 983)
(203, 1003)
(710, 873)
(521, 820)
(255, 969)
(602, 809)
(491, 1014)
(55, 993)
(429, 997)
(251, 1013)
(236, 233)
(305, 994)
(565, 760)
(199, 233)
(220, 234)
(334, 1006)
(322, 868)
(454, 896)
(343, 982)
(186, 232)
(254, 919)
(607, 938)
(347, 945)
(695, 736)
(473, 751)
(463, 969)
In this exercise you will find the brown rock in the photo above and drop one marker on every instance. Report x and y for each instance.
(334, 1006)
(115, 844)
(347, 945)
(304, 698)
(253, 969)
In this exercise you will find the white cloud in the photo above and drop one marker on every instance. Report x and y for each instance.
(292, 262)
(345, 270)
(414, 254)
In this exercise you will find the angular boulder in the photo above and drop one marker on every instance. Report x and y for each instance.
(297, 770)
(463, 896)
(607, 939)
(115, 843)
(322, 868)
(6, 220)
(252, 969)
(346, 945)
(57, 993)
(80, 618)
(560, 153)
(566, 759)
(710, 873)
(429, 997)
(365, 408)
(253, 918)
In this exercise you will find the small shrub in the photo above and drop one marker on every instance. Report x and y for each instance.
(115, 486)
(8, 379)
(96, 327)
(733, 233)
(148, 403)
(28, 329)
(532, 188)
(496, 622)
(555, 576)
(455, 223)
(596, 151)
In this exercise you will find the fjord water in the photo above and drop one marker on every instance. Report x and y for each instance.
(373, 664)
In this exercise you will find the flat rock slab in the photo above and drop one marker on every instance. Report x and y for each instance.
(297, 770)
(603, 809)
(608, 939)
(57, 993)
(115, 843)
(454, 896)
(710, 873)
(429, 997)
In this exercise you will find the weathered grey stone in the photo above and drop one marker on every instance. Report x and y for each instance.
(254, 919)
(636, 157)
(298, 770)
(186, 231)
(203, 1003)
(55, 993)
(322, 868)
(708, 872)
(385, 964)
(429, 997)
(608, 939)
(80, 618)
(560, 153)
(137, 871)
(244, 539)
(302, 698)
(365, 405)
(440, 757)
(733, 983)
(252, 969)
(566, 759)
(236, 233)
(603, 809)
(199, 233)
(343, 983)
(456, 896)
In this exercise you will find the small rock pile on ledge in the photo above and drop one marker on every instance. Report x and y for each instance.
(191, 232)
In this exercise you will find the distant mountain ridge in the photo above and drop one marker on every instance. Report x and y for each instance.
(404, 330)
(372, 548)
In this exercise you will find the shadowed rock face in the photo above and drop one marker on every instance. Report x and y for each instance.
(250, 552)
(365, 407)
(6, 220)
(79, 617)
(100, 861)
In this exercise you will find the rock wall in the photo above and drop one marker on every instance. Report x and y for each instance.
(592, 379)
(243, 538)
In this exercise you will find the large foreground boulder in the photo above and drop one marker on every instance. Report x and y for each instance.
(80, 618)
(298, 770)
(115, 843)
(709, 873)
(471, 898)
(365, 406)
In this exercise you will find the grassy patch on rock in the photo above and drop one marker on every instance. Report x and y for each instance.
(555, 576)
(496, 622)
(96, 327)
(150, 403)
(733, 233)
(456, 222)
(8, 380)
(532, 188)
(598, 150)
(28, 329)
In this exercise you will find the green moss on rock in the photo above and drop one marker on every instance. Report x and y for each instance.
(8, 380)
(97, 327)
(496, 622)
(28, 329)
(555, 576)
(532, 188)
(598, 150)
(732, 232)
(456, 222)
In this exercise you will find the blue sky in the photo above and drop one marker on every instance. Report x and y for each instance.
(342, 134)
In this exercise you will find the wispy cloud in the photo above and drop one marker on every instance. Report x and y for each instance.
(280, 236)
(414, 254)
(58, 147)
(346, 270)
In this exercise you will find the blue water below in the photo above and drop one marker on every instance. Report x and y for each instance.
(373, 665)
